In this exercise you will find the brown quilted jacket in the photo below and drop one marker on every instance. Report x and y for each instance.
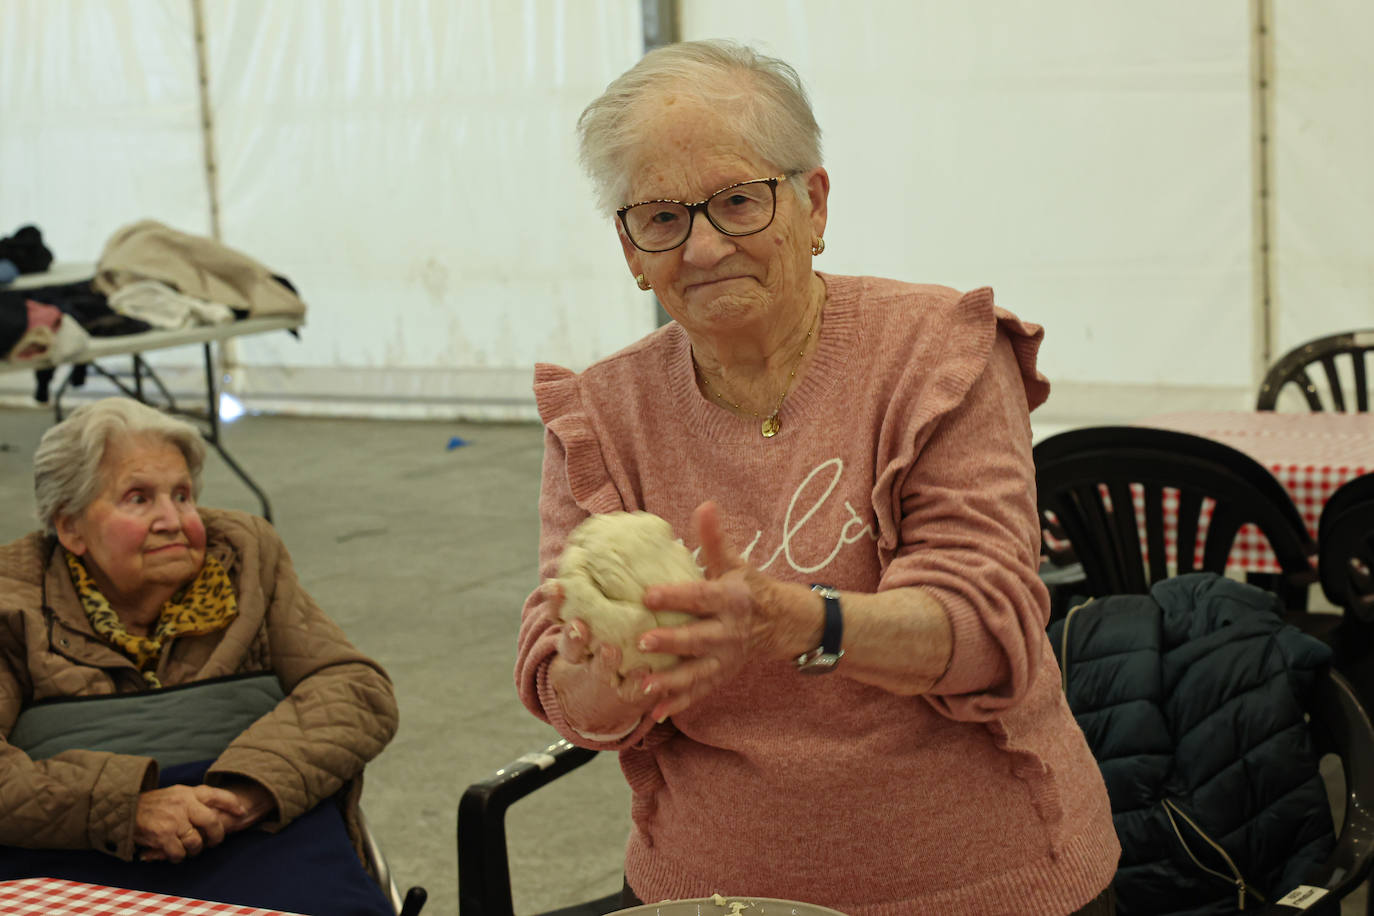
(338, 714)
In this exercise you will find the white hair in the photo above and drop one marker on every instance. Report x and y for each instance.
(66, 466)
(763, 95)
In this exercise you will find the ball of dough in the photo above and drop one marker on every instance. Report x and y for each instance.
(607, 564)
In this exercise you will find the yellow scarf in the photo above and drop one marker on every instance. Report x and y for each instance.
(205, 605)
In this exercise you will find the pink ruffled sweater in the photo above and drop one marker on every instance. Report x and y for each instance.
(904, 460)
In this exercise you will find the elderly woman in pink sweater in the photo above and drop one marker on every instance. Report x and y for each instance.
(851, 459)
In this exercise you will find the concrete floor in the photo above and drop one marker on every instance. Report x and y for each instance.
(424, 555)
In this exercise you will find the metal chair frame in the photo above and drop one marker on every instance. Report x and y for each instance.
(414, 899)
(483, 859)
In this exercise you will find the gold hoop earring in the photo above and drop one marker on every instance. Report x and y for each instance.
(817, 245)
(642, 283)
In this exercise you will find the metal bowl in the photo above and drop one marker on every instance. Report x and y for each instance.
(743, 906)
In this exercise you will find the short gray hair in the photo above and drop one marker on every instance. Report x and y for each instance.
(764, 94)
(66, 466)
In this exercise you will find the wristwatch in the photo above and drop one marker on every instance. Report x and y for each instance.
(824, 658)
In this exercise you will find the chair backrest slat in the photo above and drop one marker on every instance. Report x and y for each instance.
(1189, 519)
(1222, 529)
(1361, 381)
(1333, 379)
(1154, 531)
(1309, 390)
(1086, 519)
(1126, 534)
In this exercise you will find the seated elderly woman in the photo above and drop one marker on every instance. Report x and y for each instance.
(851, 459)
(131, 588)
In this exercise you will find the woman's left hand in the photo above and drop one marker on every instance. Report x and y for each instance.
(744, 616)
(257, 803)
(175, 822)
(235, 807)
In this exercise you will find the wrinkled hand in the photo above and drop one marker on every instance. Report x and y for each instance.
(740, 611)
(257, 803)
(181, 821)
(584, 674)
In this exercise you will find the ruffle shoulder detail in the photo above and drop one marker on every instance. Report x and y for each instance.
(1025, 338)
(558, 395)
(953, 346)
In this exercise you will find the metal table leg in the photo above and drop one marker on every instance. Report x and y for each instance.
(142, 370)
(212, 435)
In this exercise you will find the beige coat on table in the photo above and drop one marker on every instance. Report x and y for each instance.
(338, 714)
(193, 265)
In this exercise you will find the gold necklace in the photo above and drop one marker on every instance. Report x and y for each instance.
(771, 423)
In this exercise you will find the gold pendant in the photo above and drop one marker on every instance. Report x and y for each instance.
(771, 425)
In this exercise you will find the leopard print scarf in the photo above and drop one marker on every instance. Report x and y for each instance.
(207, 604)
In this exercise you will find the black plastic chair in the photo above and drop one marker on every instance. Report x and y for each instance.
(483, 859)
(1345, 538)
(1341, 725)
(1329, 352)
(1072, 469)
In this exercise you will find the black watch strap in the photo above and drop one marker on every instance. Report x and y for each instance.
(824, 658)
(833, 634)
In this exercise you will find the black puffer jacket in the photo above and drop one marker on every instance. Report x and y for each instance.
(1192, 700)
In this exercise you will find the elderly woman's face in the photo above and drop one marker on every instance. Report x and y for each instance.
(713, 282)
(142, 531)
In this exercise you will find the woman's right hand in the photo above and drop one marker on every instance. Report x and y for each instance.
(596, 700)
(180, 821)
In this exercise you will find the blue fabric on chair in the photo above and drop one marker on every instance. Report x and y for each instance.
(308, 867)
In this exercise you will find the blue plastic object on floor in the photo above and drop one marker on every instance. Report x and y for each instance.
(456, 442)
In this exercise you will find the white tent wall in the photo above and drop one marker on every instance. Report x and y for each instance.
(100, 125)
(99, 120)
(1324, 187)
(411, 167)
(1090, 161)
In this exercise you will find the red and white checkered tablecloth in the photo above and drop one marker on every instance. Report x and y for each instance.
(58, 897)
(1311, 454)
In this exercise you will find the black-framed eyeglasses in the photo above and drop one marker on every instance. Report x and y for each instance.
(739, 209)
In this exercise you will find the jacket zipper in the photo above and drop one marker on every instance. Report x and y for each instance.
(1170, 809)
(1064, 644)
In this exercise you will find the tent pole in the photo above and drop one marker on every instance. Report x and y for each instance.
(662, 23)
(1261, 92)
(662, 26)
(228, 353)
(207, 124)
